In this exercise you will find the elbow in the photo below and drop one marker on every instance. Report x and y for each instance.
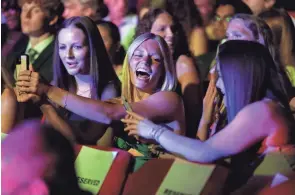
(204, 159)
(111, 113)
(204, 155)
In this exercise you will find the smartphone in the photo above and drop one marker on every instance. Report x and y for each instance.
(126, 104)
(22, 64)
(128, 108)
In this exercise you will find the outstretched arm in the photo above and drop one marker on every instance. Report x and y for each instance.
(161, 106)
(248, 127)
(56, 121)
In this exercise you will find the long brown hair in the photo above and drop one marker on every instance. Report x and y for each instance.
(101, 69)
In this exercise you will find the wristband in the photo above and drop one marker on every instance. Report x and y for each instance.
(157, 132)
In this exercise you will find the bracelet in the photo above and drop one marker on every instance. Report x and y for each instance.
(66, 101)
(157, 132)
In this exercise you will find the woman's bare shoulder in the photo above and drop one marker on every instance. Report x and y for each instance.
(185, 66)
(167, 101)
(184, 61)
(266, 111)
(166, 96)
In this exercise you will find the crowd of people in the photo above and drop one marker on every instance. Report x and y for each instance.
(132, 76)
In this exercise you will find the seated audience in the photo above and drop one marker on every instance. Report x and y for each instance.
(148, 79)
(11, 34)
(37, 160)
(143, 6)
(95, 9)
(81, 66)
(160, 22)
(259, 6)
(120, 15)
(283, 32)
(111, 37)
(206, 8)
(225, 10)
(260, 121)
(190, 19)
(251, 28)
(38, 21)
(11, 110)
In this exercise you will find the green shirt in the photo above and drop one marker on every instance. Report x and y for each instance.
(291, 74)
(40, 46)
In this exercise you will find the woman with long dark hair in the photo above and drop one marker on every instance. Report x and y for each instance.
(81, 66)
(148, 82)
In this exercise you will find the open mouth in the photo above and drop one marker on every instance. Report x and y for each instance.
(142, 74)
(71, 64)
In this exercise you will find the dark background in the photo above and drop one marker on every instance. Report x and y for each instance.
(287, 4)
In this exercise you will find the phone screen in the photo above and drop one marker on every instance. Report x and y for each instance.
(24, 59)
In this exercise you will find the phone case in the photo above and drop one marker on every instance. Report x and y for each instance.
(126, 104)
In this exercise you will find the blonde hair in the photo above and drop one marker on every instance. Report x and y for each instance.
(169, 80)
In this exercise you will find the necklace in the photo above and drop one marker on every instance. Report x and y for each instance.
(138, 94)
(84, 92)
(79, 90)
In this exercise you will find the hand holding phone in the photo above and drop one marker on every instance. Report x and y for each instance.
(22, 64)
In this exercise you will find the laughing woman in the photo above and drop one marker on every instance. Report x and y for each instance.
(81, 66)
(162, 23)
(148, 80)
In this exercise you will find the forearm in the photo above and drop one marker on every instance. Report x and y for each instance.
(202, 132)
(191, 149)
(95, 110)
(9, 110)
(56, 121)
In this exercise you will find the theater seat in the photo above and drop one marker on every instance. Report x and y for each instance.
(148, 179)
(115, 179)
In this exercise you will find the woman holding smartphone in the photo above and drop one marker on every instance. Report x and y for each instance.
(81, 66)
(148, 80)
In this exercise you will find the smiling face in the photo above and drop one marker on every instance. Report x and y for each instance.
(163, 26)
(146, 66)
(74, 50)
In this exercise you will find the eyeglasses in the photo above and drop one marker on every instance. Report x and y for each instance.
(218, 18)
